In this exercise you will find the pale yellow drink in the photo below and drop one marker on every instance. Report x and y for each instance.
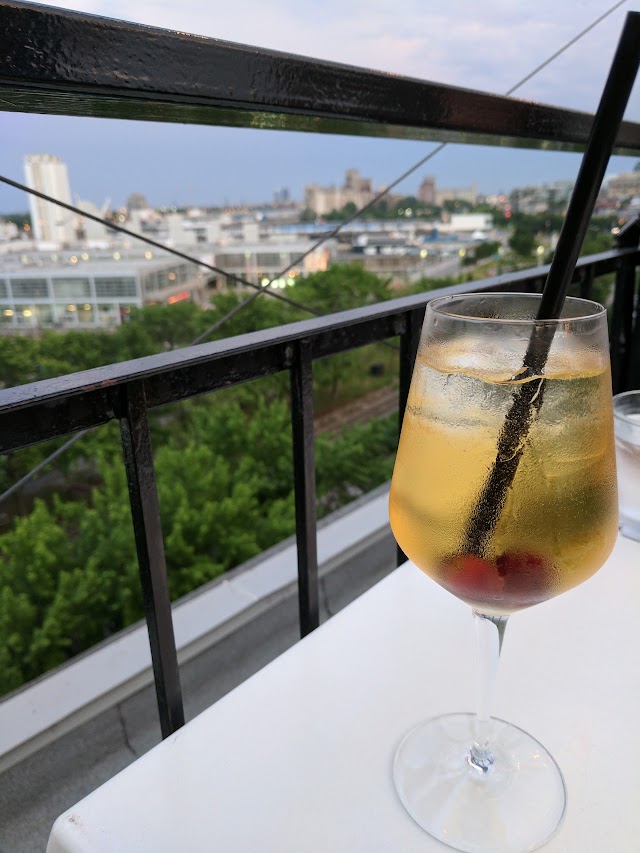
(559, 521)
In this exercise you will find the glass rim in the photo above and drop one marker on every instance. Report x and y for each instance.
(623, 416)
(596, 310)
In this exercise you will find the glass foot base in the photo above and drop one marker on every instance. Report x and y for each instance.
(515, 806)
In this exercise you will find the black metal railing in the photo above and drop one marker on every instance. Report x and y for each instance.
(54, 61)
(127, 391)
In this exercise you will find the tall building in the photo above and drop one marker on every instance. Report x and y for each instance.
(427, 191)
(48, 174)
(356, 190)
(137, 201)
(469, 194)
(281, 196)
(88, 230)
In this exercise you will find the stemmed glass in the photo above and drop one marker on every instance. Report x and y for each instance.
(502, 522)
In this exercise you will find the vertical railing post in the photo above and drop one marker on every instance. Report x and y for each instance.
(586, 283)
(304, 472)
(409, 341)
(632, 372)
(632, 379)
(625, 328)
(145, 511)
(622, 324)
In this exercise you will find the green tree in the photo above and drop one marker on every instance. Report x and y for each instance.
(381, 210)
(72, 351)
(215, 487)
(161, 327)
(264, 312)
(410, 203)
(345, 212)
(64, 581)
(522, 242)
(68, 570)
(340, 287)
(538, 223)
(18, 219)
(596, 241)
(456, 205)
(356, 462)
(487, 249)
(18, 363)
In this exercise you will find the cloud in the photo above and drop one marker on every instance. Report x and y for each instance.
(479, 44)
(487, 45)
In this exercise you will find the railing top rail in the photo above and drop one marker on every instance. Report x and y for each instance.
(54, 407)
(57, 61)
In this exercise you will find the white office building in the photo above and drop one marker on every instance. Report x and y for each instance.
(260, 262)
(48, 174)
(73, 293)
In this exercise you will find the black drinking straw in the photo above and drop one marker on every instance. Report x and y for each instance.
(528, 398)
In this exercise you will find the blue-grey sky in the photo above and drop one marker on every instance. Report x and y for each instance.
(486, 45)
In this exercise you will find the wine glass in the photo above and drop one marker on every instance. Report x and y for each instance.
(626, 419)
(504, 492)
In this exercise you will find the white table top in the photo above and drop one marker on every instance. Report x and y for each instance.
(298, 758)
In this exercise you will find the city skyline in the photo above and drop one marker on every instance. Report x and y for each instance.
(190, 165)
(296, 198)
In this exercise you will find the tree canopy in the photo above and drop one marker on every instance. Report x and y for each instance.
(522, 242)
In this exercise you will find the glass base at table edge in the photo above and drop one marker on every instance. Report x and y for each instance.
(551, 796)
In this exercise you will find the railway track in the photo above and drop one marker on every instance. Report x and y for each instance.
(383, 401)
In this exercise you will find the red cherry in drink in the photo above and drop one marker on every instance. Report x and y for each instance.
(528, 577)
(472, 577)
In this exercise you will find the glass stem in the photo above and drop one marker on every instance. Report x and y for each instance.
(490, 633)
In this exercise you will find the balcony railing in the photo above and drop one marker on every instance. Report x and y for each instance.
(63, 62)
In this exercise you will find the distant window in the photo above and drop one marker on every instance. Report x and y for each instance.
(3, 289)
(164, 279)
(149, 282)
(86, 314)
(121, 286)
(66, 313)
(43, 314)
(25, 315)
(269, 259)
(29, 288)
(107, 313)
(69, 288)
(230, 261)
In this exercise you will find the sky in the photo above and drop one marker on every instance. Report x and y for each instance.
(481, 44)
